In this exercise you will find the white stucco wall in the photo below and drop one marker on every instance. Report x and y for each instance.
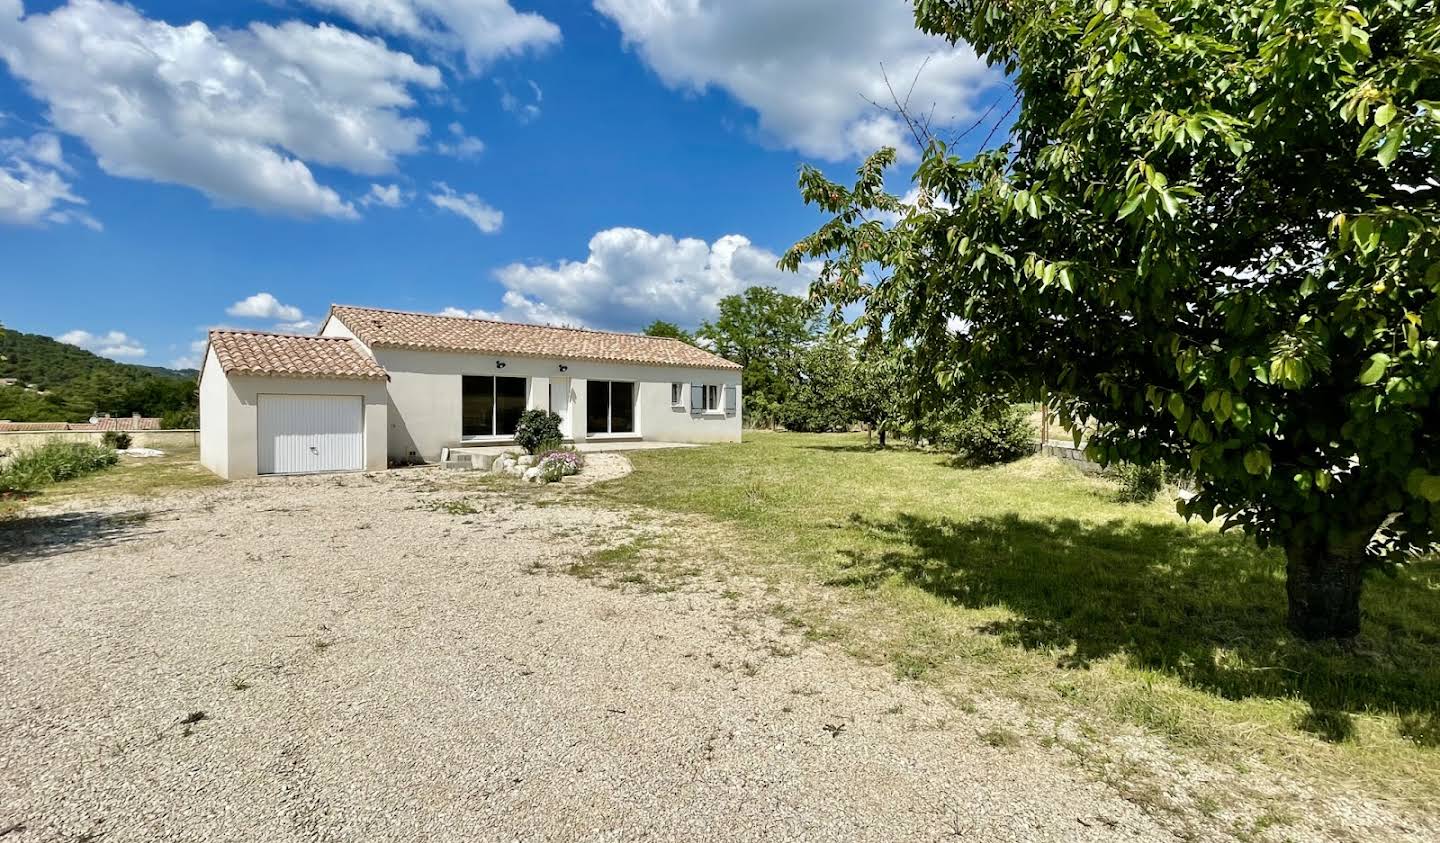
(214, 416)
(425, 397)
(230, 448)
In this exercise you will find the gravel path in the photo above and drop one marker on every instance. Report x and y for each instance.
(361, 658)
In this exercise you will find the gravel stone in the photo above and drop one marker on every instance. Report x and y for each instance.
(332, 659)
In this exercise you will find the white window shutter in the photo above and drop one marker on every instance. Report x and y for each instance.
(697, 397)
(730, 401)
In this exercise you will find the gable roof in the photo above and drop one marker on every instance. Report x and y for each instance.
(426, 332)
(290, 356)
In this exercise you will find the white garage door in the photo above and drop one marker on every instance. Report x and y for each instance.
(304, 434)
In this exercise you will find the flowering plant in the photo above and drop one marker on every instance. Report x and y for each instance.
(557, 464)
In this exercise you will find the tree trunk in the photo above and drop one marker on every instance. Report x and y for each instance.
(1324, 591)
(882, 437)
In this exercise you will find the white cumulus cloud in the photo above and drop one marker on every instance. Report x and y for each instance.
(807, 66)
(113, 344)
(193, 359)
(524, 107)
(32, 188)
(632, 277)
(264, 306)
(240, 115)
(469, 206)
(460, 145)
(387, 195)
(482, 30)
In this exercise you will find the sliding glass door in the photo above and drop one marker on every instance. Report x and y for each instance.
(609, 407)
(490, 406)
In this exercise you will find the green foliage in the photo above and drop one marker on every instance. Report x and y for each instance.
(819, 389)
(77, 383)
(187, 418)
(990, 434)
(118, 440)
(661, 328)
(53, 462)
(536, 428)
(763, 330)
(1139, 483)
(1214, 230)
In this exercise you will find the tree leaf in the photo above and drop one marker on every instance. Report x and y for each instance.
(1393, 139)
(1374, 369)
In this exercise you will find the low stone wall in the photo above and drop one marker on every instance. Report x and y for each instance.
(1069, 453)
(163, 440)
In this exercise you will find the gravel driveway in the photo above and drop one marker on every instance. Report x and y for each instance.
(352, 658)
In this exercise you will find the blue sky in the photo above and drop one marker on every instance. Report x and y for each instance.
(170, 166)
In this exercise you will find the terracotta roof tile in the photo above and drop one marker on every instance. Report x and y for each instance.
(426, 332)
(286, 355)
(120, 423)
(22, 427)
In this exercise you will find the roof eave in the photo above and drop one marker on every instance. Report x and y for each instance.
(726, 365)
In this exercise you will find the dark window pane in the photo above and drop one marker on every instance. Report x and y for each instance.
(477, 406)
(509, 404)
(622, 407)
(597, 406)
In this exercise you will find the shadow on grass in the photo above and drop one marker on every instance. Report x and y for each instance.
(891, 447)
(39, 537)
(1206, 608)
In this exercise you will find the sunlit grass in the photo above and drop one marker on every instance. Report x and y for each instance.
(1033, 581)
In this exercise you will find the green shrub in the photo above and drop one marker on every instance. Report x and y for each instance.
(118, 440)
(1138, 483)
(550, 446)
(186, 419)
(536, 428)
(992, 434)
(53, 462)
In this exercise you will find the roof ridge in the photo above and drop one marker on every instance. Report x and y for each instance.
(504, 322)
(259, 333)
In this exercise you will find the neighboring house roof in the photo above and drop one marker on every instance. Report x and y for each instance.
(288, 356)
(23, 427)
(128, 423)
(120, 423)
(425, 332)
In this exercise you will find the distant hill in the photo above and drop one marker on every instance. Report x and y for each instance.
(71, 384)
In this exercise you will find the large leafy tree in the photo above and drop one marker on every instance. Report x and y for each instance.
(669, 330)
(763, 330)
(1213, 229)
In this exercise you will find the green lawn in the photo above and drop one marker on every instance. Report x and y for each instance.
(140, 476)
(1031, 581)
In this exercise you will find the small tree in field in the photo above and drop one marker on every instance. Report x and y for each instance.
(1214, 230)
(878, 393)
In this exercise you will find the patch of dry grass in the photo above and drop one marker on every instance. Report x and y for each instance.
(143, 477)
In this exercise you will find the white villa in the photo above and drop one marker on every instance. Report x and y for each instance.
(382, 386)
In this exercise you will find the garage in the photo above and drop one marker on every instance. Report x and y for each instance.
(311, 434)
(276, 404)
